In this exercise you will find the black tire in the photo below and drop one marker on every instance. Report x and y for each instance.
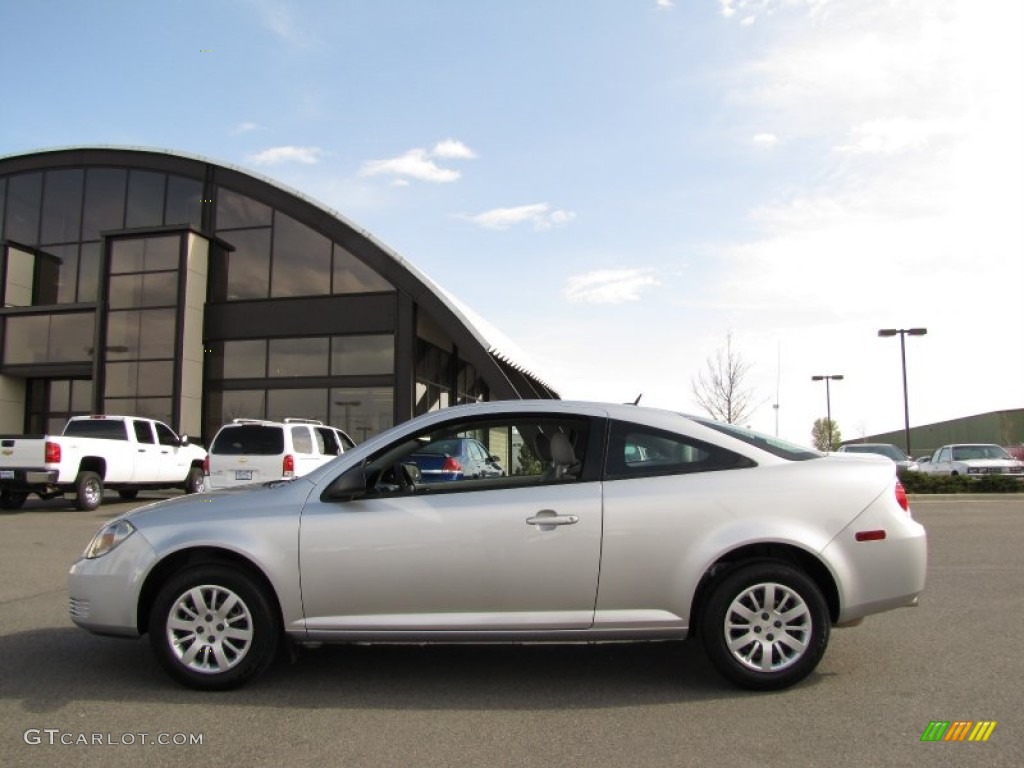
(229, 639)
(128, 493)
(195, 481)
(774, 646)
(88, 491)
(12, 500)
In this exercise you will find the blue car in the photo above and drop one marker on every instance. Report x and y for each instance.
(456, 458)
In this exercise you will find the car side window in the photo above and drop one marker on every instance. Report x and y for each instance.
(944, 455)
(143, 432)
(302, 441)
(165, 435)
(327, 441)
(638, 451)
(512, 452)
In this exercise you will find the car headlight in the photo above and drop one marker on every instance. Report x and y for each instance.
(108, 537)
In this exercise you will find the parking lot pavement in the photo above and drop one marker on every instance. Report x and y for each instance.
(67, 697)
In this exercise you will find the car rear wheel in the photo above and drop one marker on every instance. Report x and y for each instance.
(88, 491)
(213, 628)
(12, 499)
(765, 626)
(195, 482)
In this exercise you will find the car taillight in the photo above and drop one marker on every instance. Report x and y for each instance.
(901, 497)
(206, 465)
(52, 453)
(288, 466)
(451, 465)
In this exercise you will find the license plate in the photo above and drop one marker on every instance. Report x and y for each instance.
(6, 474)
(243, 474)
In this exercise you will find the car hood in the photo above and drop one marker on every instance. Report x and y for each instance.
(982, 463)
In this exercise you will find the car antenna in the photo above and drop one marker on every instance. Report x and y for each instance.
(637, 401)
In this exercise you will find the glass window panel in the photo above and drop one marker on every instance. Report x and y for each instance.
(248, 266)
(60, 394)
(149, 254)
(143, 432)
(302, 259)
(156, 378)
(3, 198)
(184, 201)
(298, 357)
(62, 206)
(235, 211)
(241, 404)
(362, 355)
(145, 334)
(362, 412)
(296, 403)
(155, 290)
(81, 395)
(89, 272)
(104, 201)
(60, 270)
(145, 379)
(245, 359)
(23, 197)
(147, 407)
(145, 199)
(351, 275)
(72, 337)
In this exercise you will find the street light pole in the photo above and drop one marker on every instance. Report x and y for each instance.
(828, 402)
(903, 333)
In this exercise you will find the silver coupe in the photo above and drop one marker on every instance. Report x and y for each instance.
(609, 523)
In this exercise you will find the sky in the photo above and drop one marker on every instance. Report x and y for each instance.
(618, 186)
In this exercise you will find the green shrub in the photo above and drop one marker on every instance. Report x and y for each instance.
(918, 482)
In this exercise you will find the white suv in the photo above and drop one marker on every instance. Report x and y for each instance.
(255, 451)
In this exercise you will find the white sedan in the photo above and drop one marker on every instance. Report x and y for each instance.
(973, 460)
(611, 523)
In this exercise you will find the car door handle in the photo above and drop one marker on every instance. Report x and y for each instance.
(548, 518)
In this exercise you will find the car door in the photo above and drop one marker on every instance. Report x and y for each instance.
(519, 552)
(942, 461)
(147, 454)
(175, 459)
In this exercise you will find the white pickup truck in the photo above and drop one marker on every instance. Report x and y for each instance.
(123, 453)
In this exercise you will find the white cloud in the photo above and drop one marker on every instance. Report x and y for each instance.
(609, 286)
(666, 4)
(766, 139)
(895, 135)
(287, 154)
(538, 214)
(453, 149)
(419, 163)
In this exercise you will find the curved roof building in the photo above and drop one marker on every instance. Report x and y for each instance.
(154, 283)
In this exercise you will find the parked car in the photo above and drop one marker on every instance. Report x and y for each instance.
(257, 451)
(457, 458)
(696, 528)
(973, 460)
(124, 453)
(882, 449)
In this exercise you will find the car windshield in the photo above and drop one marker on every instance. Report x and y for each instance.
(772, 445)
(968, 452)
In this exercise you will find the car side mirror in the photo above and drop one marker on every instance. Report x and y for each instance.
(351, 484)
(183, 441)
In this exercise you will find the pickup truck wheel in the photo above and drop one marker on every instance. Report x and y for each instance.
(212, 627)
(12, 499)
(196, 481)
(128, 493)
(88, 491)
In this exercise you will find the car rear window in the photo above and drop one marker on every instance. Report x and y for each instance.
(772, 445)
(249, 440)
(105, 429)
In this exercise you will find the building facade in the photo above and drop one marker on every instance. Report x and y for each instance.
(158, 284)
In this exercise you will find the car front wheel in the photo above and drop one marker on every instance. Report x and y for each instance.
(213, 628)
(765, 626)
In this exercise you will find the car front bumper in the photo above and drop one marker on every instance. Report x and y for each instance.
(104, 591)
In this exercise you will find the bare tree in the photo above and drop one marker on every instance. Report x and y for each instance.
(720, 389)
